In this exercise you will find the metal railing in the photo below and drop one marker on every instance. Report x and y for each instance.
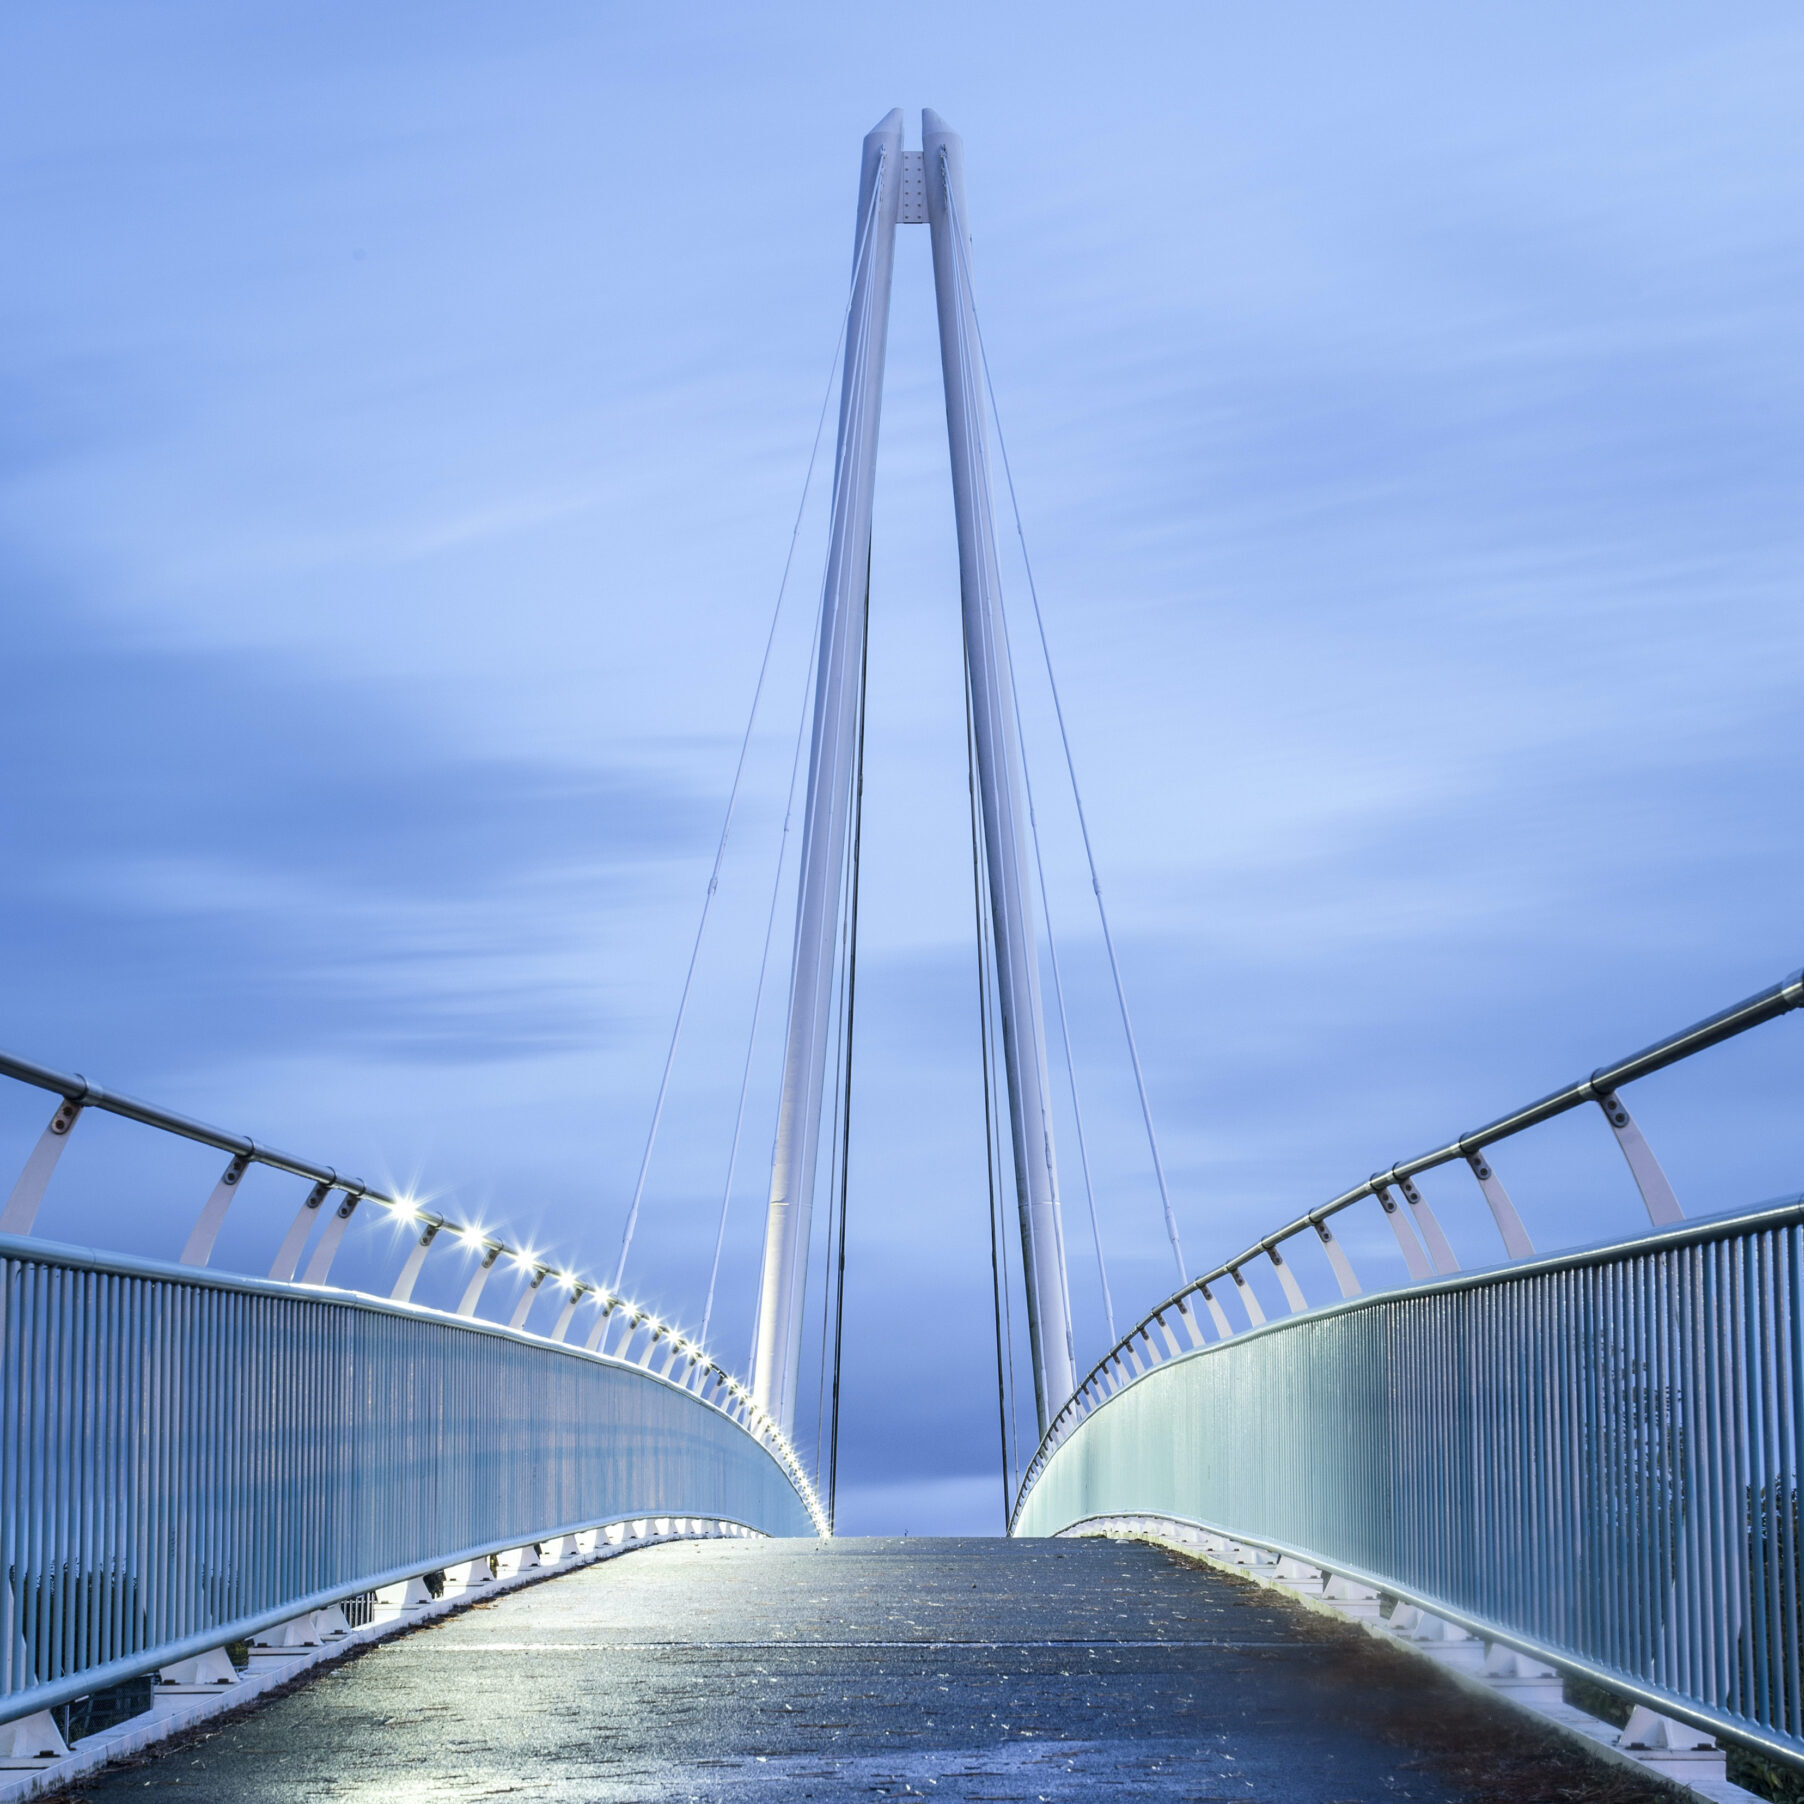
(1592, 1458)
(188, 1457)
(684, 1360)
(1424, 1246)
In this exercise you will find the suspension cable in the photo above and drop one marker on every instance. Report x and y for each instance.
(676, 1034)
(770, 923)
(1052, 944)
(1127, 1024)
(751, 1043)
(839, 1044)
(997, 1286)
(1008, 1316)
(845, 1154)
(1000, 682)
(1058, 996)
(843, 476)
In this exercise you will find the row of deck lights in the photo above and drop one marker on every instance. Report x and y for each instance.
(18, 1215)
(406, 1212)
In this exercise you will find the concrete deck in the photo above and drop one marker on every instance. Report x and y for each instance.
(973, 1669)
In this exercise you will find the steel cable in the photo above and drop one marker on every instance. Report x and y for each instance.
(632, 1218)
(1152, 1138)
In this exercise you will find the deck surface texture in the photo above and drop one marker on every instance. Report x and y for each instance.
(950, 1669)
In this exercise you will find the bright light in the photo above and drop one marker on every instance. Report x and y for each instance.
(567, 1280)
(404, 1208)
(472, 1238)
(523, 1258)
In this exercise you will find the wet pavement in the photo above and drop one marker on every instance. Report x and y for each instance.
(958, 1670)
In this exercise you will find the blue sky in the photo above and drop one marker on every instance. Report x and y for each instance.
(404, 417)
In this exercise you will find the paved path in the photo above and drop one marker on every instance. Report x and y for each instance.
(1057, 1670)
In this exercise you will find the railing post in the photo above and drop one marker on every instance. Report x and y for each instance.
(213, 1212)
(1509, 1224)
(523, 1307)
(1249, 1302)
(334, 1231)
(1337, 1258)
(602, 1323)
(1191, 1326)
(567, 1314)
(410, 1272)
(21, 1209)
(1411, 1248)
(1293, 1291)
(478, 1278)
(288, 1254)
(1217, 1314)
(1662, 1206)
(1432, 1237)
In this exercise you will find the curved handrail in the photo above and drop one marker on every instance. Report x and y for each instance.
(1560, 1454)
(1600, 1086)
(702, 1374)
(201, 1454)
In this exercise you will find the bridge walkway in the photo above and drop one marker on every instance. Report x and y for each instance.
(951, 1669)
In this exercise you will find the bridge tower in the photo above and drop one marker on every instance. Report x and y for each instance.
(923, 187)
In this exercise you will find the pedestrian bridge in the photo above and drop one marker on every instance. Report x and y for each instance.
(1584, 1462)
(1574, 1466)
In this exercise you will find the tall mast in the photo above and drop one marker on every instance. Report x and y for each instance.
(777, 1353)
(1005, 824)
(922, 187)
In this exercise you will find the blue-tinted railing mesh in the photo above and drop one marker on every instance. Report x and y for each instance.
(1597, 1455)
(187, 1457)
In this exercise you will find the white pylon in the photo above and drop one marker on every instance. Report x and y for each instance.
(777, 1354)
(925, 186)
(1005, 828)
